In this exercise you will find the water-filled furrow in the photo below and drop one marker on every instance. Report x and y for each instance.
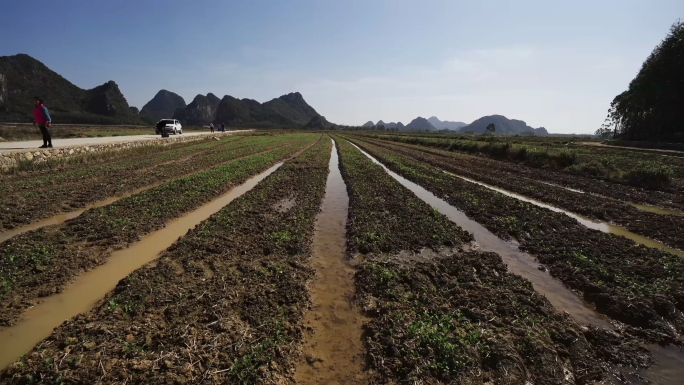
(334, 352)
(80, 296)
(519, 263)
(589, 223)
(63, 217)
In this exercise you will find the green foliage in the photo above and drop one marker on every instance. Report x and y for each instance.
(650, 175)
(651, 108)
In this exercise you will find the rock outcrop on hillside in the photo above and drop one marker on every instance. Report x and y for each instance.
(23, 77)
(163, 105)
(134, 110)
(201, 111)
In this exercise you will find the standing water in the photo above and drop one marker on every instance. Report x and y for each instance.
(333, 354)
(80, 296)
(518, 262)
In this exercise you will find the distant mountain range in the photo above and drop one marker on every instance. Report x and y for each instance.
(23, 77)
(503, 126)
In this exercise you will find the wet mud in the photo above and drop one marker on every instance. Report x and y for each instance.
(223, 304)
(333, 350)
(518, 262)
(87, 289)
(632, 284)
(39, 263)
(450, 314)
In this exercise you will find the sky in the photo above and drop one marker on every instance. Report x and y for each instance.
(550, 63)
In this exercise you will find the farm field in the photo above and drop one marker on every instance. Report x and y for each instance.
(351, 258)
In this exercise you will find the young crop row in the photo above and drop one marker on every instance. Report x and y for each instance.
(637, 285)
(373, 225)
(453, 316)
(652, 174)
(664, 228)
(224, 304)
(26, 202)
(40, 262)
(77, 167)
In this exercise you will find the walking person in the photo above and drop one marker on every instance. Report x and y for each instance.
(211, 126)
(223, 127)
(41, 117)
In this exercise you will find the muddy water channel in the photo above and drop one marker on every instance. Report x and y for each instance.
(88, 288)
(518, 262)
(333, 354)
(592, 224)
(63, 217)
(642, 207)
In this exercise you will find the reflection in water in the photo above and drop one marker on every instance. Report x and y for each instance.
(88, 288)
(518, 262)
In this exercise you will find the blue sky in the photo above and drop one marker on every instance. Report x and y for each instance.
(550, 63)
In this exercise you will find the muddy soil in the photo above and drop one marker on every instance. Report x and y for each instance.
(663, 228)
(223, 305)
(639, 286)
(454, 317)
(31, 199)
(617, 191)
(40, 263)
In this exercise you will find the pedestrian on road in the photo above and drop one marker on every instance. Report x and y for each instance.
(211, 126)
(41, 117)
(223, 127)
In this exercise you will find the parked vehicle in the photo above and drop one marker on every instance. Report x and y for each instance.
(171, 126)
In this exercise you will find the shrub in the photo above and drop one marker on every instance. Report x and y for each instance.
(517, 153)
(499, 150)
(536, 157)
(565, 158)
(651, 175)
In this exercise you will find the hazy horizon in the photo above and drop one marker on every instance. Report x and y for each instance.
(552, 65)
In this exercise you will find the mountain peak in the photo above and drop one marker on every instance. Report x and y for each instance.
(420, 124)
(163, 105)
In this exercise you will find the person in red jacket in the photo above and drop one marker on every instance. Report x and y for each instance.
(41, 117)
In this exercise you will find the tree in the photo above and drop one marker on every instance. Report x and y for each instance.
(491, 127)
(651, 108)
